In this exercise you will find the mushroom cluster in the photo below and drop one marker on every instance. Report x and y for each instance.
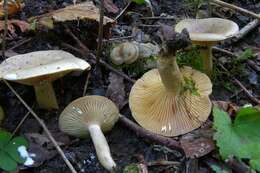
(91, 115)
(39, 69)
(161, 102)
(207, 33)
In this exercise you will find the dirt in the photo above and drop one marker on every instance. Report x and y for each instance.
(124, 144)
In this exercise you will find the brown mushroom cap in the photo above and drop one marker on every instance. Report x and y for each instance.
(88, 110)
(209, 29)
(168, 114)
(36, 66)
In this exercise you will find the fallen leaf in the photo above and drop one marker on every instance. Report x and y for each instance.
(198, 143)
(110, 6)
(229, 107)
(116, 89)
(83, 11)
(12, 24)
(13, 7)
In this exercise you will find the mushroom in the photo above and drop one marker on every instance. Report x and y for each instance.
(39, 69)
(91, 115)
(129, 52)
(207, 33)
(161, 101)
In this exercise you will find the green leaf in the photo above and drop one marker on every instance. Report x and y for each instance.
(241, 138)
(218, 169)
(140, 2)
(6, 162)
(132, 168)
(247, 54)
(12, 148)
(5, 137)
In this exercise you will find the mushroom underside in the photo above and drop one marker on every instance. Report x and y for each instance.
(165, 113)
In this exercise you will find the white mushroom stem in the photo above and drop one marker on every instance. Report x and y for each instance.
(206, 54)
(170, 74)
(45, 95)
(101, 146)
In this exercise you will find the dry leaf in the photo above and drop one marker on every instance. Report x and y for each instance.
(110, 6)
(83, 11)
(12, 24)
(116, 89)
(229, 107)
(13, 7)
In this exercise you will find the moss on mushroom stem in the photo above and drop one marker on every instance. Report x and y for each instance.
(170, 74)
(101, 146)
(45, 95)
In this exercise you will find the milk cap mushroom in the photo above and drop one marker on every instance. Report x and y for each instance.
(91, 115)
(207, 33)
(160, 102)
(39, 69)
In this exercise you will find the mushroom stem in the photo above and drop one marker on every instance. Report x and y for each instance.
(170, 73)
(206, 54)
(101, 146)
(45, 95)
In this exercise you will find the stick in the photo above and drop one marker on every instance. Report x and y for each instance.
(234, 7)
(46, 130)
(100, 31)
(141, 132)
(5, 28)
(246, 29)
(86, 84)
(21, 122)
(120, 14)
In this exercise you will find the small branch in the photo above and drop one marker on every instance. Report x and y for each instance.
(246, 29)
(158, 18)
(5, 28)
(46, 130)
(163, 163)
(100, 31)
(234, 7)
(141, 132)
(122, 12)
(20, 123)
(86, 84)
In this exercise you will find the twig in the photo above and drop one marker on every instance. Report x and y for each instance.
(86, 84)
(120, 14)
(100, 31)
(246, 29)
(119, 38)
(192, 166)
(249, 95)
(154, 26)
(234, 7)
(46, 130)
(5, 29)
(162, 163)
(141, 132)
(20, 43)
(20, 123)
(158, 18)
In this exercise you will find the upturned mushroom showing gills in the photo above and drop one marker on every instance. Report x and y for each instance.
(207, 33)
(170, 101)
(40, 69)
(90, 115)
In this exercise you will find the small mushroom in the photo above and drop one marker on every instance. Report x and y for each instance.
(39, 69)
(207, 33)
(91, 115)
(129, 52)
(160, 101)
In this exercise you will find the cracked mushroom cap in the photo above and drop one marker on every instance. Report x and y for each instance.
(36, 66)
(168, 114)
(209, 29)
(88, 110)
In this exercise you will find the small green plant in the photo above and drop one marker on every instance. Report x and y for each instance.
(9, 154)
(190, 85)
(190, 57)
(239, 138)
(132, 168)
(140, 2)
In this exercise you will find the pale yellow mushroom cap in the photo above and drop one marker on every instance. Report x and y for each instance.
(36, 66)
(125, 53)
(209, 29)
(168, 114)
(88, 110)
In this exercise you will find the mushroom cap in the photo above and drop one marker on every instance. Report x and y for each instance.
(209, 29)
(84, 111)
(125, 53)
(168, 114)
(34, 67)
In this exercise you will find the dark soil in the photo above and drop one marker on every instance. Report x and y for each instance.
(125, 146)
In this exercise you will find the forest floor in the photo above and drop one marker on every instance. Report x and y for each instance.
(125, 146)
